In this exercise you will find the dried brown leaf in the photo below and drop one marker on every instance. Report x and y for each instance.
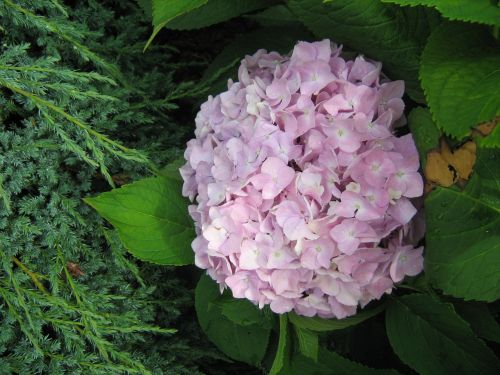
(445, 166)
(437, 170)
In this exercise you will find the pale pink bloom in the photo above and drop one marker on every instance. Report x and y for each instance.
(281, 257)
(314, 76)
(407, 261)
(316, 51)
(216, 193)
(286, 281)
(339, 310)
(281, 145)
(317, 253)
(300, 191)
(379, 286)
(244, 284)
(351, 233)
(364, 71)
(343, 135)
(371, 129)
(389, 98)
(407, 180)
(274, 177)
(309, 184)
(253, 255)
(232, 101)
(312, 304)
(282, 305)
(340, 286)
(402, 211)
(337, 103)
(354, 205)
(359, 98)
(375, 168)
(293, 220)
(279, 93)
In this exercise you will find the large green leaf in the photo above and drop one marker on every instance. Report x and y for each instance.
(278, 15)
(243, 312)
(320, 324)
(433, 340)
(424, 131)
(391, 34)
(151, 218)
(215, 11)
(308, 342)
(463, 237)
(330, 363)
(171, 170)
(460, 75)
(479, 316)
(166, 10)
(482, 11)
(246, 343)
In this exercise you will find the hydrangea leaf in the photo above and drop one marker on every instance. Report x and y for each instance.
(424, 131)
(480, 318)
(463, 240)
(166, 10)
(171, 170)
(281, 363)
(331, 363)
(432, 339)
(151, 218)
(308, 342)
(460, 77)
(243, 343)
(243, 312)
(390, 34)
(215, 11)
(321, 325)
(481, 11)
(278, 15)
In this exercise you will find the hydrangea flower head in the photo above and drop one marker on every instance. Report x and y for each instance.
(303, 199)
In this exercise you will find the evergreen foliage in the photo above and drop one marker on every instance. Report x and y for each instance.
(72, 98)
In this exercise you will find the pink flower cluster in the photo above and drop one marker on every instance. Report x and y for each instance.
(302, 191)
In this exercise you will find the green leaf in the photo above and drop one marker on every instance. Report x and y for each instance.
(331, 363)
(151, 218)
(171, 170)
(321, 325)
(482, 11)
(166, 10)
(424, 131)
(281, 361)
(278, 15)
(242, 343)
(463, 240)
(460, 76)
(390, 34)
(482, 322)
(433, 340)
(243, 312)
(308, 342)
(216, 11)
(224, 65)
